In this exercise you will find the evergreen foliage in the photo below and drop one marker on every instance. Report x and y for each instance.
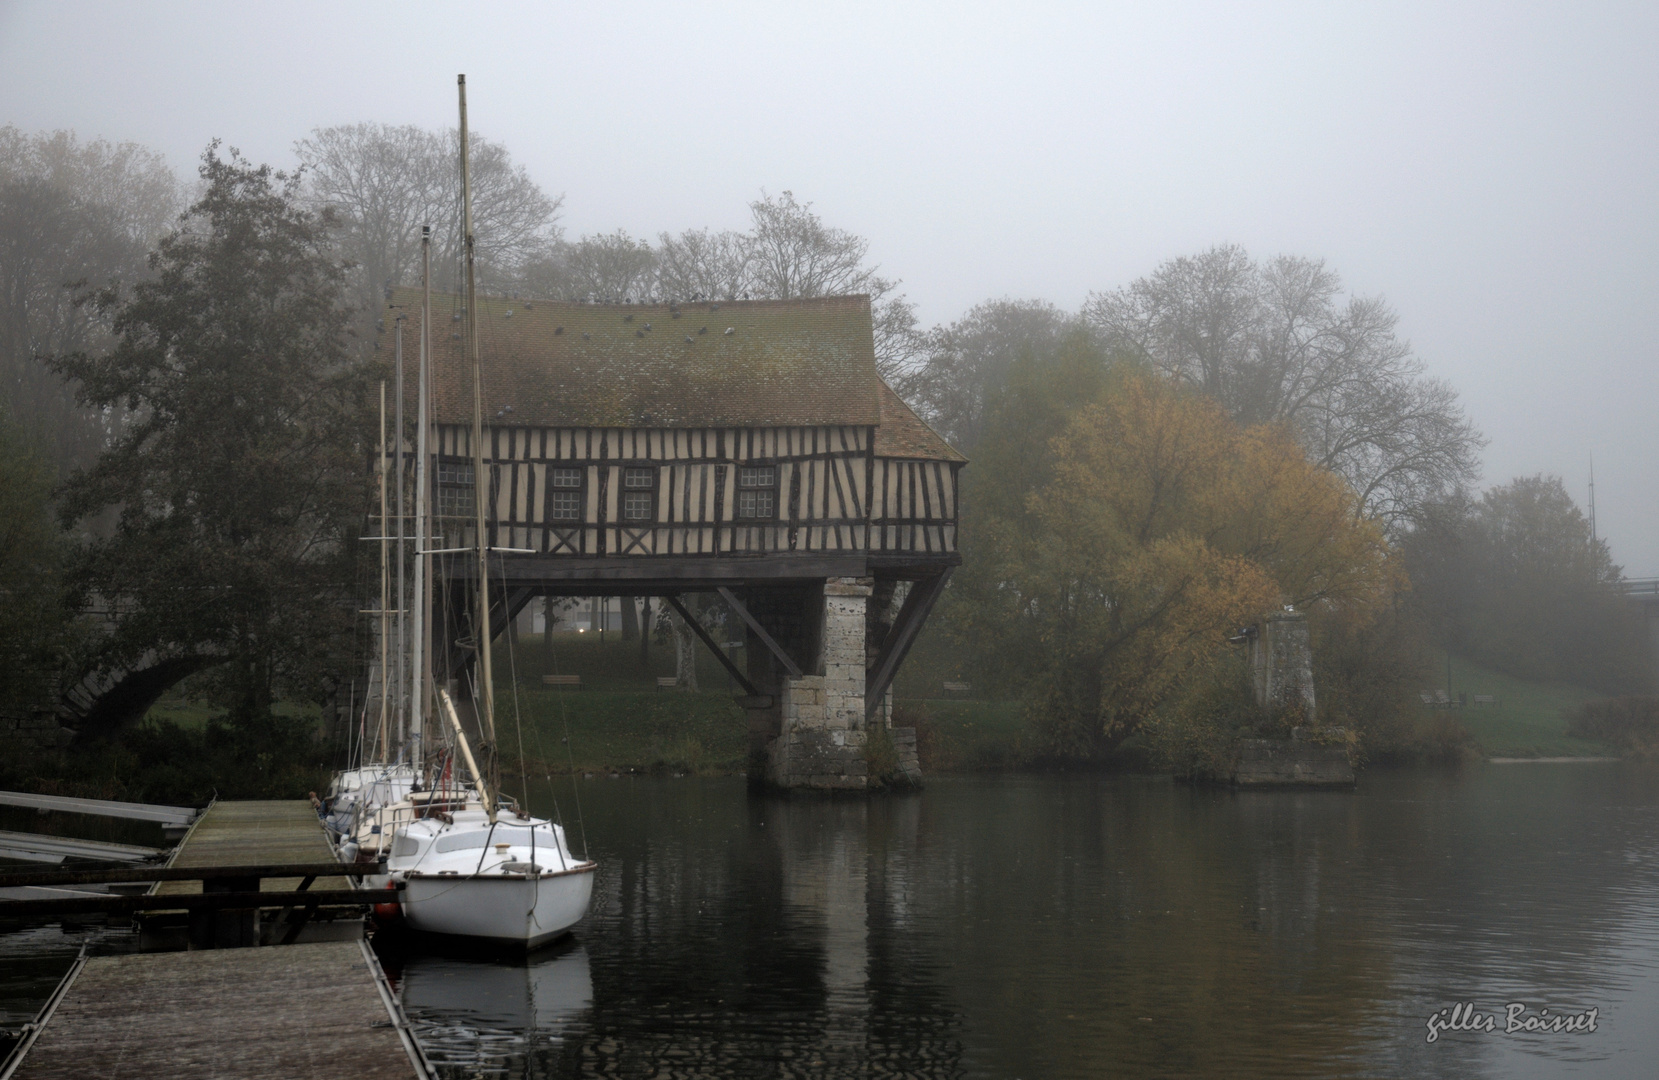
(37, 632)
(239, 484)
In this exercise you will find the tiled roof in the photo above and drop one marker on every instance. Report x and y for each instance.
(748, 363)
(903, 434)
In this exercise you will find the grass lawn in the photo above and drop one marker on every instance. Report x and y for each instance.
(618, 720)
(622, 731)
(1529, 720)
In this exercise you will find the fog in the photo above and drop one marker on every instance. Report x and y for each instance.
(1491, 169)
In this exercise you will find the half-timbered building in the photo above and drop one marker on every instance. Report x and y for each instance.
(741, 447)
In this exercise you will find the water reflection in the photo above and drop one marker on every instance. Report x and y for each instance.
(1065, 927)
(1074, 927)
(479, 1014)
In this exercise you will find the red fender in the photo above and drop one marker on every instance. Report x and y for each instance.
(389, 912)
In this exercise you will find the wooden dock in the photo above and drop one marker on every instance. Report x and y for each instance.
(254, 832)
(280, 1011)
(289, 1013)
(246, 833)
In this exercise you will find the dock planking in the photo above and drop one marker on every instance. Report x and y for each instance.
(289, 1013)
(255, 831)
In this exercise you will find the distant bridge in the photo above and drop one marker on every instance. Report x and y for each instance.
(1645, 591)
(1646, 588)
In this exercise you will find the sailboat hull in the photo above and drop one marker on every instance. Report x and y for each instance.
(512, 909)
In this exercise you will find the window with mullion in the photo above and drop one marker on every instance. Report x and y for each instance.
(639, 493)
(566, 503)
(455, 489)
(757, 492)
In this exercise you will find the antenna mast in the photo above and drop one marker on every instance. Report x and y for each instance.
(1593, 537)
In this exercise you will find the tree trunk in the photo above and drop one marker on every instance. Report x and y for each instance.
(548, 617)
(685, 655)
(630, 618)
(645, 628)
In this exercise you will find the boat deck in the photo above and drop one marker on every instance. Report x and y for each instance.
(270, 831)
(288, 1013)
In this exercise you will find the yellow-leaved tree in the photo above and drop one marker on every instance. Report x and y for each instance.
(1162, 529)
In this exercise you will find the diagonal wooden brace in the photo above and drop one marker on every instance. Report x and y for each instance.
(760, 632)
(923, 595)
(719, 653)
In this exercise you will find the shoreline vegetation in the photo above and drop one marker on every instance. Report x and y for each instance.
(618, 723)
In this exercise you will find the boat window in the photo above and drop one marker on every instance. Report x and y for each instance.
(404, 846)
(460, 841)
(482, 837)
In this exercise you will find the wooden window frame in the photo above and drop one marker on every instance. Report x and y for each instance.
(770, 490)
(555, 489)
(648, 490)
(449, 486)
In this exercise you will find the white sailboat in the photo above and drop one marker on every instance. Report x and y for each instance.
(461, 862)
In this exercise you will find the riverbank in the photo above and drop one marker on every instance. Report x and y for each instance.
(1524, 719)
(619, 722)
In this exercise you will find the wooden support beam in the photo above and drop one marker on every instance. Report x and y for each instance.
(912, 614)
(503, 609)
(189, 873)
(760, 632)
(714, 647)
(581, 575)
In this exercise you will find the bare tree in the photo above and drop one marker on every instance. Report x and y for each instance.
(609, 266)
(703, 264)
(385, 182)
(792, 253)
(1277, 343)
(73, 217)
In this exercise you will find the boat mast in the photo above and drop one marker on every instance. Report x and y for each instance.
(417, 696)
(480, 484)
(380, 746)
(400, 711)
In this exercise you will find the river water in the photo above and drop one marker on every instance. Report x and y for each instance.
(1077, 927)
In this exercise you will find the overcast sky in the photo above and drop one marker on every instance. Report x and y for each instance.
(1491, 169)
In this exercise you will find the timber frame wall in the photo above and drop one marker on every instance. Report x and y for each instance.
(833, 494)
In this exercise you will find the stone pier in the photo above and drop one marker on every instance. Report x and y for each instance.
(819, 738)
(1281, 666)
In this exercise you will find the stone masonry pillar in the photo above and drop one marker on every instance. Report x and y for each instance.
(821, 739)
(1281, 663)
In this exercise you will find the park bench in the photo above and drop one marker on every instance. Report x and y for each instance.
(666, 682)
(956, 688)
(1428, 700)
(1486, 701)
(562, 680)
